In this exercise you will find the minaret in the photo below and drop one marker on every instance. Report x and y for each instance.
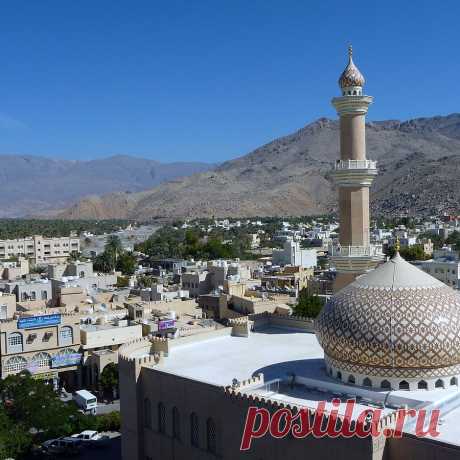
(353, 175)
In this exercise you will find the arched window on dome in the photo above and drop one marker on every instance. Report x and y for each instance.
(351, 379)
(354, 93)
(422, 385)
(367, 382)
(403, 385)
(339, 375)
(439, 384)
(386, 385)
(454, 381)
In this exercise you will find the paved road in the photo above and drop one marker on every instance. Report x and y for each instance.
(107, 408)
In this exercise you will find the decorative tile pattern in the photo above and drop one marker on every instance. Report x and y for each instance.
(351, 76)
(394, 332)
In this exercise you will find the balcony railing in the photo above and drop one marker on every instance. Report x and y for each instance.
(355, 251)
(355, 164)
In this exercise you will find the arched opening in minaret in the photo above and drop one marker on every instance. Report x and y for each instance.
(422, 385)
(367, 382)
(403, 385)
(339, 375)
(454, 381)
(386, 385)
(439, 384)
(351, 379)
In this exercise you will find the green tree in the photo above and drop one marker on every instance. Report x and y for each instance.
(109, 379)
(308, 306)
(126, 263)
(15, 440)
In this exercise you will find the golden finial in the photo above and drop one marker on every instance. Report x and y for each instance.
(397, 245)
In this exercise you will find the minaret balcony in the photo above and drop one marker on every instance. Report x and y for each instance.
(355, 258)
(354, 173)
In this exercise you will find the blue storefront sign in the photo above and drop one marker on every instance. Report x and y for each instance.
(166, 324)
(69, 359)
(32, 322)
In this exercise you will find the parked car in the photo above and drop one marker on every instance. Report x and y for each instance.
(65, 445)
(92, 438)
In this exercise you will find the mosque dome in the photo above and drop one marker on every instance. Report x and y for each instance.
(351, 76)
(395, 322)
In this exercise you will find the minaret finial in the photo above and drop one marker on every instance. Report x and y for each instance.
(350, 51)
(397, 245)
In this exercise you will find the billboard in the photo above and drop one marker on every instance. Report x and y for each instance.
(166, 324)
(68, 359)
(32, 322)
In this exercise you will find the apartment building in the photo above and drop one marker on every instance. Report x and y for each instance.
(47, 345)
(40, 249)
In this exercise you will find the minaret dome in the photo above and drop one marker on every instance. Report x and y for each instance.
(351, 81)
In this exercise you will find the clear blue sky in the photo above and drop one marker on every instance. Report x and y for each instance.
(210, 80)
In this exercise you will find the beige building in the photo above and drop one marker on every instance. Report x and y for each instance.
(188, 398)
(40, 249)
(47, 345)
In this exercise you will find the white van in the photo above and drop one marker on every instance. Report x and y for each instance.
(86, 401)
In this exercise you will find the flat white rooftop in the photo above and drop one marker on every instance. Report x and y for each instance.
(274, 352)
(279, 353)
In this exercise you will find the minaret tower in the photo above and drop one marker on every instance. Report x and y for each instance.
(353, 175)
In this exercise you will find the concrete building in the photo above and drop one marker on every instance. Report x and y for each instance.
(197, 283)
(353, 174)
(14, 269)
(445, 270)
(47, 345)
(40, 249)
(30, 290)
(100, 343)
(292, 254)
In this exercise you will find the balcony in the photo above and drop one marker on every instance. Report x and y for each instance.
(355, 164)
(355, 251)
(355, 258)
(354, 173)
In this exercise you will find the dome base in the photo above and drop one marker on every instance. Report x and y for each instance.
(386, 379)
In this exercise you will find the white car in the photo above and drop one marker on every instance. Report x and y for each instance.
(91, 438)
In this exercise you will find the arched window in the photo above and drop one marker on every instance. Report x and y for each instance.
(403, 385)
(66, 336)
(82, 274)
(367, 382)
(385, 385)
(211, 443)
(16, 364)
(24, 296)
(454, 381)
(354, 93)
(147, 413)
(41, 360)
(439, 383)
(422, 385)
(194, 430)
(15, 342)
(161, 418)
(176, 423)
(339, 375)
(351, 379)
(44, 295)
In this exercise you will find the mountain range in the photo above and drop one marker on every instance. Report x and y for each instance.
(39, 185)
(419, 173)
